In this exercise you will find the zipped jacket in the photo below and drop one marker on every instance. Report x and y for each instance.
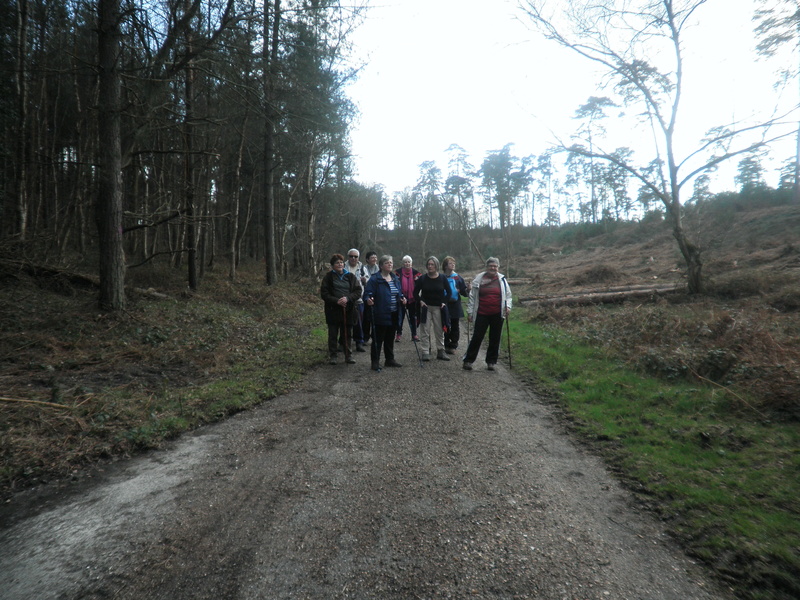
(378, 289)
(474, 295)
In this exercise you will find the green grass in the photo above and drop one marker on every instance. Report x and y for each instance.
(727, 482)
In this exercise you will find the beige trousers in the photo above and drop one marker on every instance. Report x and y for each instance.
(431, 335)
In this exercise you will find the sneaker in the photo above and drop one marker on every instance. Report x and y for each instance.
(360, 347)
(440, 355)
(426, 356)
(332, 360)
(392, 363)
(397, 338)
(467, 366)
(450, 350)
(415, 338)
(376, 366)
(490, 366)
(350, 360)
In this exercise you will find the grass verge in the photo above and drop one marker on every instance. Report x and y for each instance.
(725, 480)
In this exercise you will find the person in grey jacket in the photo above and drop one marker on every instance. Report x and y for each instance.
(354, 266)
(368, 269)
(488, 306)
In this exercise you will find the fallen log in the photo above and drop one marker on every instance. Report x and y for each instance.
(589, 298)
(85, 281)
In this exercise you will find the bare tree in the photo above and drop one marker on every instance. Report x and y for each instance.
(621, 37)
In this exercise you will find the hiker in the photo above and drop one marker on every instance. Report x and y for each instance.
(408, 276)
(368, 269)
(432, 292)
(488, 306)
(356, 333)
(458, 288)
(385, 300)
(341, 292)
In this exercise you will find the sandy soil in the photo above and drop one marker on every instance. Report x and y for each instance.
(419, 482)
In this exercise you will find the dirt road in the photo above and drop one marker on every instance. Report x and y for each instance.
(416, 482)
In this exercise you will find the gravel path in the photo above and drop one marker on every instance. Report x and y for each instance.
(416, 482)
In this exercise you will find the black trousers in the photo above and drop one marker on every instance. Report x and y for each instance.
(336, 336)
(383, 337)
(453, 333)
(494, 324)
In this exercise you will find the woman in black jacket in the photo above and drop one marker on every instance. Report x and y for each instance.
(432, 292)
(341, 291)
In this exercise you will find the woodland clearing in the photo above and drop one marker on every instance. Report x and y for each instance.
(83, 389)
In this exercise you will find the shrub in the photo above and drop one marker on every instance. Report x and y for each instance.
(745, 283)
(787, 300)
(599, 274)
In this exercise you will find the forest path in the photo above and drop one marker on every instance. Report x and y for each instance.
(428, 482)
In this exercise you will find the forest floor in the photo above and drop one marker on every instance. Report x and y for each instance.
(334, 486)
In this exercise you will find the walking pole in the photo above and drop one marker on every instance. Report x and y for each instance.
(375, 348)
(508, 338)
(419, 357)
(372, 324)
(346, 341)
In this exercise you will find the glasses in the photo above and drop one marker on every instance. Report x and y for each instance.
(353, 256)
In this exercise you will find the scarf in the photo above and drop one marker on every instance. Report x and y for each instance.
(407, 283)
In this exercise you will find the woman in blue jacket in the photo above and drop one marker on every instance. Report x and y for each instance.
(458, 288)
(386, 301)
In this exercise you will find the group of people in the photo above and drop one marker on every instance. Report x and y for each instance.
(372, 301)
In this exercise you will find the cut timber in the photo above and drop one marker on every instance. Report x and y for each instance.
(602, 297)
(86, 281)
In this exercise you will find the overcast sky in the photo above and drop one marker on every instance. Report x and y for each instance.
(471, 72)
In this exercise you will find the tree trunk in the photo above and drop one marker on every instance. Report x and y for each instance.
(189, 166)
(592, 298)
(236, 200)
(310, 251)
(270, 73)
(689, 251)
(109, 193)
(22, 119)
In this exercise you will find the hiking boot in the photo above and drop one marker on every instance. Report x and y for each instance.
(426, 356)
(376, 366)
(332, 360)
(440, 355)
(415, 338)
(390, 362)
(350, 360)
(360, 347)
(450, 350)
(397, 338)
(490, 366)
(467, 366)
